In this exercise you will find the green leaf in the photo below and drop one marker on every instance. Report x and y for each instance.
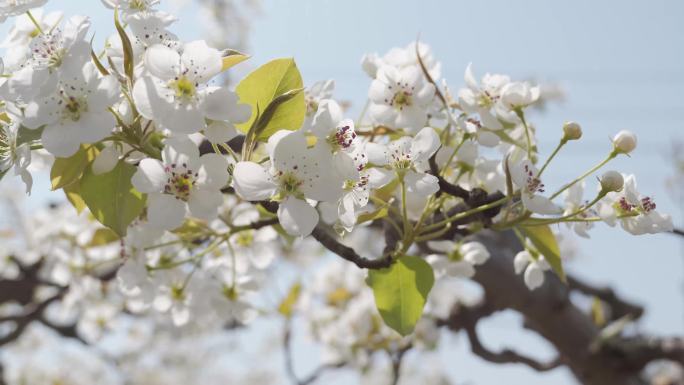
(126, 45)
(287, 306)
(543, 239)
(26, 135)
(101, 237)
(401, 291)
(373, 215)
(111, 197)
(231, 58)
(73, 194)
(265, 85)
(66, 171)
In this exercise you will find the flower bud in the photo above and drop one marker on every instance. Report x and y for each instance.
(624, 142)
(572, 131)
(612, 181)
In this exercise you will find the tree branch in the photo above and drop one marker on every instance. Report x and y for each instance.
(324, 238)
(619, 307)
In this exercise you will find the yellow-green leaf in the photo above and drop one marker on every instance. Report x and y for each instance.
(287, 306)
(66, 171)
(373, 215)
(267, 84)
(111, 197)
(101, 237)
(401, 291)
(232, 58)
(545, 242)
(73, 194)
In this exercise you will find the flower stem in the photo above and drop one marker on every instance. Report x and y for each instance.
(610, 156)
(553, 154)
(465, 214)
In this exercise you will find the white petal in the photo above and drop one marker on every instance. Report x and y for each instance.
(534, 276)
(444, 247)
(150, 176)
(521, 260)
(220, 132)
(539, 204)
(204, 204)
(106, 160)
(165, 211)
(297, 217)
(213, 173)
(425, 144)
(252, 182)
(460, 269)
(202, 61)
(162, 61)
(61, 140)
(421, 183)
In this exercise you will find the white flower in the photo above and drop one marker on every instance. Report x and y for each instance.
(518, 95)
(457, 260)
(296, 173)
(402, 57)
(17, 7)
(313, 96)
(258, 247)
(76, 113)
(24, 30)
(637, 213)
(524, 176)
(534, 268)
(400, 98)
(481, 98)
(14, 155)
(132, 9)
(175, 93)
(182, 182)
(625, 142)
(573, 203)
(38, 67)
(409, 156)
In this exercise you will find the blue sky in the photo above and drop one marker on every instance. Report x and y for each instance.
(621, 64)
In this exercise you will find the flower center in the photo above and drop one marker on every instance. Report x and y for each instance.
(342, 138)
(401, 99)
(139, 5)
(245, 238)
(184, 88)
(47, 50)
(73, 107)
(311, 106)
(289, 184)
(400, 159)
(534, 184)
(180, 181)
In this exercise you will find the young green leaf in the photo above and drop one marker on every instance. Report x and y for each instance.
(543, 239)
(73, 194)
(401, 291)
(111, 197)
(268, 83)
(231, 58)
(126, 45)
(66, 171)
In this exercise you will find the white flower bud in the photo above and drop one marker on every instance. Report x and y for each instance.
(625, 142)
(572, 131)
(612, 181)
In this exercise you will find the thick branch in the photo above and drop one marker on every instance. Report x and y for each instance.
(619, 307)
(324, 238)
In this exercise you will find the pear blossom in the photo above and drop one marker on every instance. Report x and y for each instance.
(625, 142)
(402, 57)
(37, 69)
(408, 156)
(400, 98)
(17, 7)
(24, 29)
(481, 98)
(534, 269)
(14, 155)
(636, 213)
(313, 96)
(296, 173)
(176, 94)
(181, 183)
(76, 113)
(336, 135)
(572, 131)
(525, 176)
(132, 9)
(457, 260)
(256, 247)
(573, 203)
(516, 95)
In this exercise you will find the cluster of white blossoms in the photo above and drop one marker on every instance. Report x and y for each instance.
(199, 190)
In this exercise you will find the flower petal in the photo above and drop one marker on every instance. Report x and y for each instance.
(252, 182)
(297, 217)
